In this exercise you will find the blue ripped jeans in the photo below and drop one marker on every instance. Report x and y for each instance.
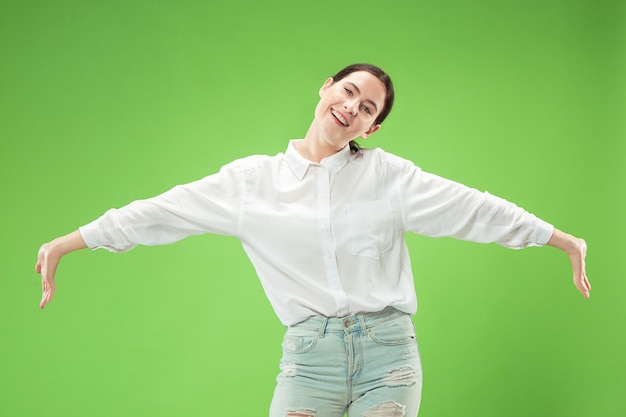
(364, 365)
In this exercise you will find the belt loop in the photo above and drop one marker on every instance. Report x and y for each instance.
(322, 329)
(363, 323)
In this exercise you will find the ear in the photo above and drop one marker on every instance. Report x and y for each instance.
(370, 131)
(327, 84)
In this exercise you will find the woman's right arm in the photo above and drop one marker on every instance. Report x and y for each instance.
(209, 205)
(48, 260)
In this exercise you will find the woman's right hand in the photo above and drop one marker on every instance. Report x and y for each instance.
(48, 259)
(47, 263)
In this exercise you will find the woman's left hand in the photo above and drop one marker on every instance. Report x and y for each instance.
(576, 249)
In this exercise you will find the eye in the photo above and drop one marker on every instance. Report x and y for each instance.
(366, 109)
(348, 91)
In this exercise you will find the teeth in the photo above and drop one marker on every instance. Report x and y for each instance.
(340, 118)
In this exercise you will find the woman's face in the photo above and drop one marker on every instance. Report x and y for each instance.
(348, 108)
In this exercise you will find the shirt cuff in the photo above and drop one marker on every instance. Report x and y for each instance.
(543, 232)
(91, 234)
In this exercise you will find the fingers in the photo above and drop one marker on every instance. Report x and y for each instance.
(580, 275)
(46, 266)
(46, 294)
(48, 286)
(579, 268)
(582, 283)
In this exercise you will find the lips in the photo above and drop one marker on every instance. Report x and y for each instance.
(339, 118)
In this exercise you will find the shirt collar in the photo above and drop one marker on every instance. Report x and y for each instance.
(299, 164)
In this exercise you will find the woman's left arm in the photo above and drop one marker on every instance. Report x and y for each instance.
(576, 249)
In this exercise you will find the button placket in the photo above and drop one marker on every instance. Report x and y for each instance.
(327, 242)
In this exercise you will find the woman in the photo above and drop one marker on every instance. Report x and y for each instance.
(323, 225)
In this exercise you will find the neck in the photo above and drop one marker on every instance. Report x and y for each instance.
(314, 147)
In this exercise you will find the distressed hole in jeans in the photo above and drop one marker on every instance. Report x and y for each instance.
(289, 369)
(304, 412)
(410, 354)
(400, 377)
(386, 409)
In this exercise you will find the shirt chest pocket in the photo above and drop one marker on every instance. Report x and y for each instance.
(370, 227)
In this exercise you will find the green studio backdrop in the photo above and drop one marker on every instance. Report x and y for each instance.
(106, 102)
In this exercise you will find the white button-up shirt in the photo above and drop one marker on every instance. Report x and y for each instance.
(325, 238)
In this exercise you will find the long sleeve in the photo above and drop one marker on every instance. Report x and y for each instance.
(211, 204)
(437, 207)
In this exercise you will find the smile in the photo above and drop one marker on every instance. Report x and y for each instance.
(342, 120)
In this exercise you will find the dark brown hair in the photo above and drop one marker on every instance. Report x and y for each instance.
(384, 78)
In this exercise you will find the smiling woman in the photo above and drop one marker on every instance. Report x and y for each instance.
(324, 225)
(360, 97)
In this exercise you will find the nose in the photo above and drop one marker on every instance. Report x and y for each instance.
(351, 107)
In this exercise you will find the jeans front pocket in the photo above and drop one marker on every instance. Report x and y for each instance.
(399, 331)
(370, 226)
(299, 340)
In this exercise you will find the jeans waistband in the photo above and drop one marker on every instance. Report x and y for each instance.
(356, 322)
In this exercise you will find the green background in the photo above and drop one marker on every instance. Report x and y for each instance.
(106, 102)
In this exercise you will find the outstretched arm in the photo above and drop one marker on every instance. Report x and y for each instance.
(576, 249)
(48, 259)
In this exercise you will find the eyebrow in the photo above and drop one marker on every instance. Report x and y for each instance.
(359, 91)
